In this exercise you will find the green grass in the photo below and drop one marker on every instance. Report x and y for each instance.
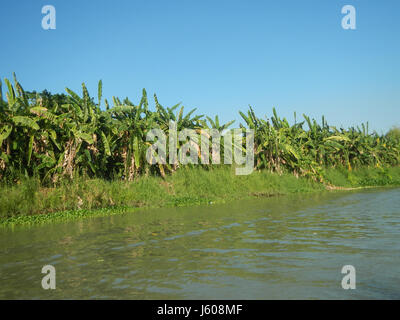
(29, 203)
(363, 177)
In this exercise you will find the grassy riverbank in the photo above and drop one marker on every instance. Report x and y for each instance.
(28, 202)
(67, 156)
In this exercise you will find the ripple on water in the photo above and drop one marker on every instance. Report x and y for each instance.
(291, 247)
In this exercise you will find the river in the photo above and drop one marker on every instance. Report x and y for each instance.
(286, 247)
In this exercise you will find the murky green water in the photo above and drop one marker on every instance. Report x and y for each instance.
(286, 247)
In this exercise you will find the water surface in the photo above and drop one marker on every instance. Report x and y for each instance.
(276, 248)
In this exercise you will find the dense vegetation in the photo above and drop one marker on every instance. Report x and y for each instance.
(68, 152)
(54, 137)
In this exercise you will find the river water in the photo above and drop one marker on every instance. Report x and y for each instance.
(288, 247)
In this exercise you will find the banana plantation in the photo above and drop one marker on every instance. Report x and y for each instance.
(61, 136)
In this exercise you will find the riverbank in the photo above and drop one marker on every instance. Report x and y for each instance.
(29, 203)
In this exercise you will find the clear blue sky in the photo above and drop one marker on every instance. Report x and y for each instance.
(219, 56)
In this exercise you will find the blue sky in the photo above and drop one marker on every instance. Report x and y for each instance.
(219, 56)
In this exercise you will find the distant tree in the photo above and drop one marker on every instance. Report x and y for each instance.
(46, 98)
(394, 133)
